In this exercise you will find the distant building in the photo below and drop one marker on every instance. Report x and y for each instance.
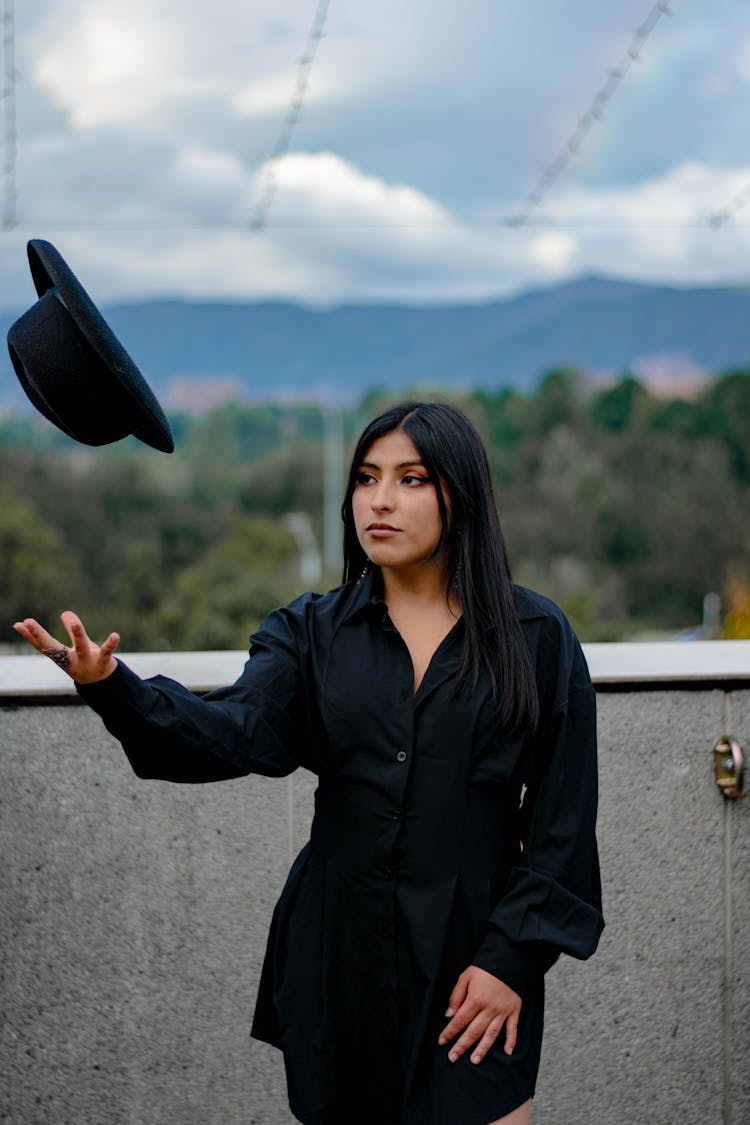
(191, 394)
(670, 374)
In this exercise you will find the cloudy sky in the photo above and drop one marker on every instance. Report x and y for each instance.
(144, 131)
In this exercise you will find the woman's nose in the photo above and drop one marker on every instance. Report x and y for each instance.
(382, 498)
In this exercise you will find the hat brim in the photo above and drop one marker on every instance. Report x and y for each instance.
(50, 271)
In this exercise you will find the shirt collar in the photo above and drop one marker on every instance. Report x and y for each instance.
(527, 607)
(367, 597)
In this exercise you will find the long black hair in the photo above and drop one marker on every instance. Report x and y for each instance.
(476, 562)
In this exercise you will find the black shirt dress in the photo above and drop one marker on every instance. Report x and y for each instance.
(438, 842)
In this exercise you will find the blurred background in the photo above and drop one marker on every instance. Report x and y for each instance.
(293, 214)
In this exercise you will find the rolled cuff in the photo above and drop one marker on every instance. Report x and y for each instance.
(512, 964)
(123, 687)
(536, 920)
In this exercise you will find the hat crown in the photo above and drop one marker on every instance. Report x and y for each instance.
(72, 366)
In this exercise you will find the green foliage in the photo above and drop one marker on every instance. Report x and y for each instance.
(556, 403)
(223, 596)
(35, 571)
(624, 507)
(289, 479)
(616, 408)
(724, 412)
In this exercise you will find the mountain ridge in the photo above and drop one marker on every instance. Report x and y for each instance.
(266, 348)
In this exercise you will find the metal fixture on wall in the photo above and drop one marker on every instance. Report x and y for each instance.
(728, 765)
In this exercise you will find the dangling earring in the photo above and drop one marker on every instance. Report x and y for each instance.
(365, 569)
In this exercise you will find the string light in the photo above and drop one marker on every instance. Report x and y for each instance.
(526, 215)
(284, 140)
(591, 117)
(726, 213)
(9, 99)
(539, 222)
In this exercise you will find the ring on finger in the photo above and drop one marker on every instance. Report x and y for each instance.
(60, 656)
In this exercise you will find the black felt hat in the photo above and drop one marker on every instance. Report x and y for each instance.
(73, 367)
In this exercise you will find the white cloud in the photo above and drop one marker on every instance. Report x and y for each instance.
(661, 229)
(324, 187)
(337, 234)
(101, 177)
(273, 95)
(269, 95)
(143, 64)
(687, 192)
(106, 63)
(553, 252)
(162, 114)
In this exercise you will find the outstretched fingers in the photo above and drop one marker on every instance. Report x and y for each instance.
(92, 659)
(109, 646)
(82, 659)
(80, 639)
(33, 632)
(78, 635)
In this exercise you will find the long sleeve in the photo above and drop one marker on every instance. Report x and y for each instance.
(254, 726)
(552, 902)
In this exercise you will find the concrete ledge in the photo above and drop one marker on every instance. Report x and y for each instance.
(666, 662)
(36, 676)
(612, 665)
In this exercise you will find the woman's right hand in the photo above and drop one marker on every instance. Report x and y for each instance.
(84, 661)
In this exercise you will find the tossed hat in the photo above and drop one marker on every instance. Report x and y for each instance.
(73, 367)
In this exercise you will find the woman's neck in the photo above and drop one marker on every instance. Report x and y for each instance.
(419, 589)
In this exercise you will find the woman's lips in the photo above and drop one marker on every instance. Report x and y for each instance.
(382, 532)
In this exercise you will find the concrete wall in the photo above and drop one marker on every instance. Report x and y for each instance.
(134, 917)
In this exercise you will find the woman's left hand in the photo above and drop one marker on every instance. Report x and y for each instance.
(481, 1004)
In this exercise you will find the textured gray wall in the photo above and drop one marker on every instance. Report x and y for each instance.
(134, 917)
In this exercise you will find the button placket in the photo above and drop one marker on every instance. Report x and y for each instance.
(394, 814)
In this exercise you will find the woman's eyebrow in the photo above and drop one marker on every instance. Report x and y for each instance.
(401, 465)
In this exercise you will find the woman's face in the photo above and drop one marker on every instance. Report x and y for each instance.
(395, 506)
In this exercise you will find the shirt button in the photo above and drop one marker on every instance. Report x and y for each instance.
(401, 756)
(395, 814)
(386, 872)
(385, 930)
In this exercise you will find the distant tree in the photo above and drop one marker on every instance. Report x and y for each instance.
(616, 408)
(221, 598)
(288, 480)
(557, 402)
(625, 507)
(674, 418)
(723, 412)
(550, 509)
(506, 422)
(666, 521)
(35, 569)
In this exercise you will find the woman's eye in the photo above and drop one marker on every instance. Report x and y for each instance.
(364, 478)
(412, 480)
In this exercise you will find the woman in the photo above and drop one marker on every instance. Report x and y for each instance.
(450, 719)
